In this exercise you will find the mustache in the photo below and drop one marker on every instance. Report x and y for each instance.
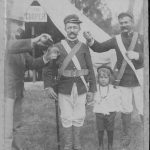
(72, 33)
(122, 28)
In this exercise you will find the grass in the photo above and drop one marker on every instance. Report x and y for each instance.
(39, 130)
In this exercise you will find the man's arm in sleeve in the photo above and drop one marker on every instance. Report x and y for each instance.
(139, 62)
(19, 46)
(104, 46)
(34, 63)
(91, 76)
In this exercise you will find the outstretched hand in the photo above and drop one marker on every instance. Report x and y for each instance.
(88, 36)
(43, 40)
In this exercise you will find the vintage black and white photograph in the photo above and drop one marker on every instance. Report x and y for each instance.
(75, 75)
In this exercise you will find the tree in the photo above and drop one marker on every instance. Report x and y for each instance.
(97, 11)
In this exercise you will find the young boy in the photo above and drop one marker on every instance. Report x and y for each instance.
(107, 103)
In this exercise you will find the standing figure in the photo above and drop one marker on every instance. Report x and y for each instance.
(107, 103)
(129, 50)
(17, 58)
(74, 71)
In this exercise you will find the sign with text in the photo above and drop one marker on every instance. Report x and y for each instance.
(35, 14)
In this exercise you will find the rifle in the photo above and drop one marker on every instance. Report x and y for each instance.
(57, 114)
(57, 124)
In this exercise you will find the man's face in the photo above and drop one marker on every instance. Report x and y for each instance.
(126, 24)
(72, 30)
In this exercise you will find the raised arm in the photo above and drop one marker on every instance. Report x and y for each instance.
(19, 46)
(104, 46)
(34, 63)
(26, 45)
(99, 47)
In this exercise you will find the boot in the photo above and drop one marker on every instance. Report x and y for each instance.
(68, 138)
(76, 138)
(126, 123)
(142, 119)
(100, 138)
(110, 140)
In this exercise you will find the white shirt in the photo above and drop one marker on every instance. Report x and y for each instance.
(107, 99)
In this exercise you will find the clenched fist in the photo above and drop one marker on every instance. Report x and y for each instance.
(88, 36)
(44, 40)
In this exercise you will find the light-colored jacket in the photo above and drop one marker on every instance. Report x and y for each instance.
(111, 103)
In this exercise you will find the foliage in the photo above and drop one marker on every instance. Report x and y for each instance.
(97, 11)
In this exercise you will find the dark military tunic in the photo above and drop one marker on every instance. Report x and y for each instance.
(129, 78)
(65, 83)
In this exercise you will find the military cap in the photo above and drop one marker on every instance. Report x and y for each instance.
(72, 19)
(123, 14)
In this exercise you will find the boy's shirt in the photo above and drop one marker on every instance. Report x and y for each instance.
(110, 103)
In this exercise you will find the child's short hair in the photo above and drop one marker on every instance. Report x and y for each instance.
(105, 70)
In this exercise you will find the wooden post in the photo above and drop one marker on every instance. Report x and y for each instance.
(33, 52)
(2, 51)
(146, 78)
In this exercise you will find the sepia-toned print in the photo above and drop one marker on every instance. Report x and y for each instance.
(75, 75)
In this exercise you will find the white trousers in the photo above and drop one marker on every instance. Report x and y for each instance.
(8, 129)
(72, 108)
(129, 94)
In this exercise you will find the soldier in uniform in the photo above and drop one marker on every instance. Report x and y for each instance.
(127, 76)
(17, 57)
(75, 70)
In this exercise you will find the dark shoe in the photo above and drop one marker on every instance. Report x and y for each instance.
(126, 123)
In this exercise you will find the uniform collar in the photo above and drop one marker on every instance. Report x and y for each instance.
(127, 35)
(72, 41)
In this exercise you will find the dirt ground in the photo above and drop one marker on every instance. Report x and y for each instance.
(39, 125)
